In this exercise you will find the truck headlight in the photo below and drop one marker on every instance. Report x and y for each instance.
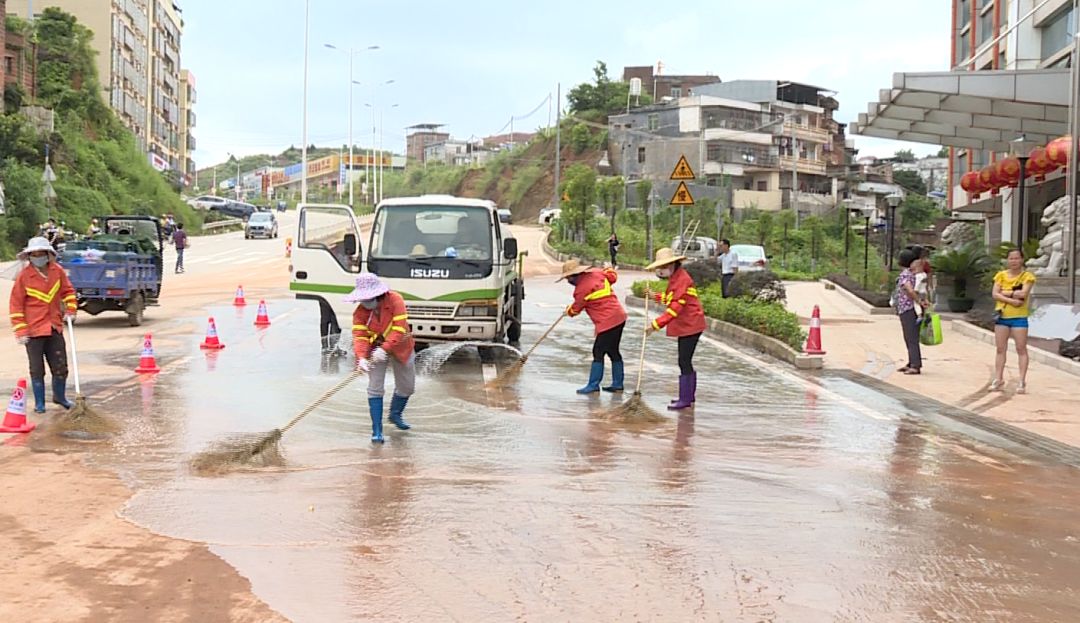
(478, 310)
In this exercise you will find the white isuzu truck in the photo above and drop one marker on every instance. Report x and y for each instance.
(454, 263)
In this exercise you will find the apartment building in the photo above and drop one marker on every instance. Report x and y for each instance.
(658, 85)
(187, 126)
(138, 62)
(763, 137)
(419, 136)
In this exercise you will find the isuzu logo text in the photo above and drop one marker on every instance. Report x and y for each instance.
(430, 273)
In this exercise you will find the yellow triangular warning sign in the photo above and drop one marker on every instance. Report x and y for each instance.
(682, 170)
(682, 196)
(566, 196)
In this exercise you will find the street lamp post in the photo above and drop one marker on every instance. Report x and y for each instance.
(1022, 226)
(351, 53)
(867, 212)
(303, 146)
(894, 201)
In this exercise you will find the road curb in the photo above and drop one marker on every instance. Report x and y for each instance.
(1057, 362)
(1041, 444)
(726, 331)
(858, 302)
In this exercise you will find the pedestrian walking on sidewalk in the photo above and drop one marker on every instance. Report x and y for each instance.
(593, 295)
(684, 319)
(42, 298)
(729, 267)
(381, 340)
(1012, 289)
(906, 298)
(613, 249)
(180, 240)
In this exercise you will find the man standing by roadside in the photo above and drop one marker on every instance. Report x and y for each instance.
(179, 237)
(729, 266)
(613, 249)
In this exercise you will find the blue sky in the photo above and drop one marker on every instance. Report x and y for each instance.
(474, 64)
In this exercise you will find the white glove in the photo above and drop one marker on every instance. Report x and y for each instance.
(69, 316)
(363, 365)
(379, 355)
(23, 340)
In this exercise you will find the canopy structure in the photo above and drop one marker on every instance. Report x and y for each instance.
(971, 109)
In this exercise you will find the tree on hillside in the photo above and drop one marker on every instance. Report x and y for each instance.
(917, 212)
(603, 95)
(910, 181)
(579, 188)
(905, 155)
(610, 193)
(943, 152)
(67, 77)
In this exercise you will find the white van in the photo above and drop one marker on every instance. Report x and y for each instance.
(697, 248)
(454, 263)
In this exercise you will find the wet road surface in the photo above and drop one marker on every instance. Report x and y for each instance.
(777, 499)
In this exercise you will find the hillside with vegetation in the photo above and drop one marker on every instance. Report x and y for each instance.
(99, 167)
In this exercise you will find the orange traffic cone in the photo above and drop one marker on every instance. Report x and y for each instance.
(212, 342)
(15, 416)
(238, 300)
(813, 341)
(147, 364)
(262, 319)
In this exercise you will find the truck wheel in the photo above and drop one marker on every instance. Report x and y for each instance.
(513, 328)
(134, 310)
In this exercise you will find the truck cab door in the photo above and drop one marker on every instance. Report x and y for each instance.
(328, 254)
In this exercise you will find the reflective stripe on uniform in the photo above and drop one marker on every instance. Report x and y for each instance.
(18, 315)
(401, 317)
(359, 327)
(691, 291)
(601, 293)
(21, 325)
(656, 325)
(42, 296)
(397, 328)
(674, 314)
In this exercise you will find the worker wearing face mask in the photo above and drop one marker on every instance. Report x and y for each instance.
(41, 299)
(594, 296)
(684, 319)
(381, 339)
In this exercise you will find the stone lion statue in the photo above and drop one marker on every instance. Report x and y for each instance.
(1052, 247)
(957, 235)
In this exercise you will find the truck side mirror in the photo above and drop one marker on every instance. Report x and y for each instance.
(350, 244)
(510, 248)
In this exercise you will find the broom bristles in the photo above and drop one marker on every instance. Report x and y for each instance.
(634, 409)
(81, 418)
(509, 375)
(251, 450)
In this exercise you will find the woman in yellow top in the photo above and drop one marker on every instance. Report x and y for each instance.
(1012, 292)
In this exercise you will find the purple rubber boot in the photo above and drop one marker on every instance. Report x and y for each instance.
(684, 400)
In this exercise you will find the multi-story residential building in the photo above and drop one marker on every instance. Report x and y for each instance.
(759, 136)
(138, 62)
(1006, 92)
(187, 125)
(419, 136)
(659, 86)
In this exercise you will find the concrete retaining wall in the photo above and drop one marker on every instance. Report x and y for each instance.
(773, 347)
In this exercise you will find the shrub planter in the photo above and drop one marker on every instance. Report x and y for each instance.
(960, 305)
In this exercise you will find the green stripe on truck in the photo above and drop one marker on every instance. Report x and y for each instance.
(453, 297)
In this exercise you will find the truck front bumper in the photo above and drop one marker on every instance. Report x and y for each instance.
(452, 330)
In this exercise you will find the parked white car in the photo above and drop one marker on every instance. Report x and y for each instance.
(752, 257)
(548, 215)
(207, 202)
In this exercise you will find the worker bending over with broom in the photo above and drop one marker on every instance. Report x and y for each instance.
(684, 319)
(381, 338)
(42, 297)
(594, 296)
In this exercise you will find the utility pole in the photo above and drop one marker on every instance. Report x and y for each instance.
(558, 141)
(303, 148)
(794, 174)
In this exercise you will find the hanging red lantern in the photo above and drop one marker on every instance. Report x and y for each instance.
(1008, 171)
(971, 184)
(987, 179)
(1058, 150)
(1039, 164)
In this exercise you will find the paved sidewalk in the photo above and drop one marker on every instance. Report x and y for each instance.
(956, 372)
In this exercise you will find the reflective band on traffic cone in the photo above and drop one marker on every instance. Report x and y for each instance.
(238, 300)
(262, 319)
(813, 341)
(15, 416)
(147, 364)
(212, 342)
(288, 247)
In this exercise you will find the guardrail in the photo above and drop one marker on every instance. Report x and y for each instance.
(221, 224)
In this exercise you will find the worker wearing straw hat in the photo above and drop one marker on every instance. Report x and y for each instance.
(42, 297)
(381, 339)
(684, 319)
(594, 296)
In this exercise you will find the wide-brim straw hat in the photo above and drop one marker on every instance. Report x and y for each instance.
(368, 286)
(36, 244)
(418, 250)
(571, 268)
(664, 257)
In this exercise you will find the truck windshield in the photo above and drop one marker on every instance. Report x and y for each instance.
(404, 232)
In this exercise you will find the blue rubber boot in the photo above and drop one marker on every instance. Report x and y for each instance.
(375, 405)
(596, 373)
(59, 391)
(397, 408)
(39, 395)
(616, 377)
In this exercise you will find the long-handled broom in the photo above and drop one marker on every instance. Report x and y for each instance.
(256, 449)
(634, 408)
(81, 418)
(510, 374)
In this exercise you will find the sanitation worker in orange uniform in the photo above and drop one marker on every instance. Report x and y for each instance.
(594, 296)
(380, 340)
(684, 319)
(41, 299)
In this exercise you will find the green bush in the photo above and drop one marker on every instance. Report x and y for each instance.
(760, 285)
(794, 275)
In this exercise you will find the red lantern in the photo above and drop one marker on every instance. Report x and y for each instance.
(1008, 171)
(1039, 164)
(970, 183)
(987, 178)
(1058, 150)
